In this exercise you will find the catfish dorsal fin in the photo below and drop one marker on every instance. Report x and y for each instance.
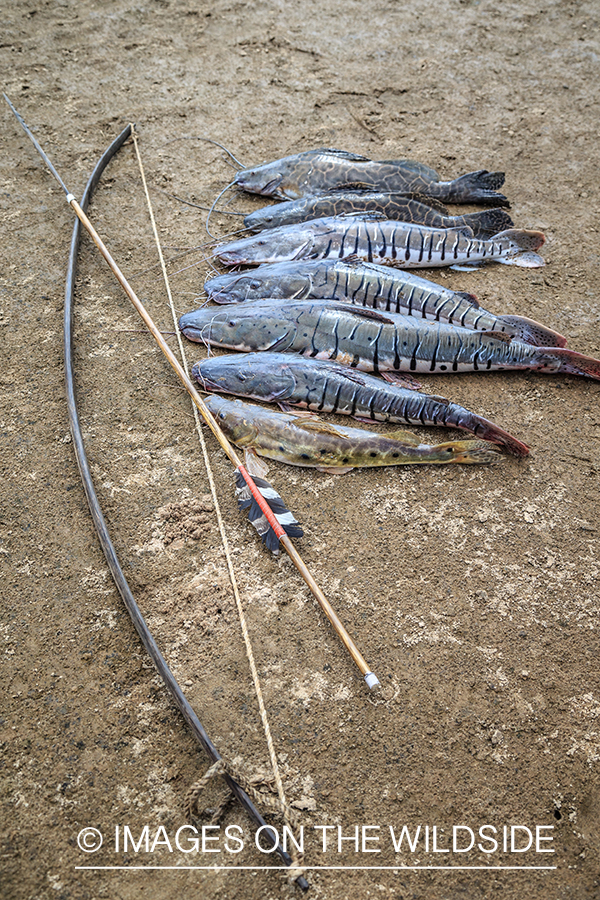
(352, 260)
(470, 298)
(352, 185)
(344, 154)
(318, 425)
(402, 379)
(366, 216)
(403, 437)
(355, 376)
(499, 336)
(365, 313)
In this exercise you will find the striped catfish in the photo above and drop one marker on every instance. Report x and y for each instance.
(323, 170)
(325, 386)
(398, 244)
(401, 207)
(309, 441)
(378, 287)
(373, 341)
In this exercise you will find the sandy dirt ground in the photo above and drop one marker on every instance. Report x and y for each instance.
(471, 591)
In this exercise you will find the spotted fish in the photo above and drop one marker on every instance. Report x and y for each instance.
(310, 441)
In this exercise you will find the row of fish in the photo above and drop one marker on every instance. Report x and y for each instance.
(375, 287)
(325, 386)
(330, 301)
(387, 210)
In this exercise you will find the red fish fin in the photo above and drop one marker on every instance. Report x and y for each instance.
(569, 361)
(363, 311)
(471, 298)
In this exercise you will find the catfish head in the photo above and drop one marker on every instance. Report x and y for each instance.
(260, 376)
(263, 179)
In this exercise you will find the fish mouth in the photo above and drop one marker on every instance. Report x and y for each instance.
(207, 384)
(191, 332)
(222, 297)
(248, 184)
(476, 452)
(229, 257)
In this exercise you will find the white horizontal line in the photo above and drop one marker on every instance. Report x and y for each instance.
(317, 868)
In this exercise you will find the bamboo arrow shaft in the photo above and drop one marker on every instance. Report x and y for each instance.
(327, 608)
(329, 611)
(223, 441)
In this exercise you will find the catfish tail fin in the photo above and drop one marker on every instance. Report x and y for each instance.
(477, 187)
(559, 359)
(487, 222)
(523, 239)
(533, 333)
(523, 245)
(487, 431)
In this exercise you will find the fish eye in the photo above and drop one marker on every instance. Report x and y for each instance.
(241, 376)
(255, 285)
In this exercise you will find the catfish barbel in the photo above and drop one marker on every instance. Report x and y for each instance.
(318, 171)
(373, 341)
(400, 207)
(325, 386)
(309, 441)
(376, 287)
(397, 244)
